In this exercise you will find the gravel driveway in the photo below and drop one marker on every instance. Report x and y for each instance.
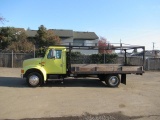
(82, 99)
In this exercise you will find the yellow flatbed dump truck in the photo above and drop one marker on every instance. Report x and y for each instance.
(56, 65)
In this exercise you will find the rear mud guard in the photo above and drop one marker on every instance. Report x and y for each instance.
(123, 79)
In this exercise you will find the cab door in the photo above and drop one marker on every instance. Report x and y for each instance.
(54, 61)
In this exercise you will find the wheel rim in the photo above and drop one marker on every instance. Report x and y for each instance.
(33, 80)
(113, 80)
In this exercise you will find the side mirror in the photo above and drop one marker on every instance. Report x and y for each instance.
(51, 54)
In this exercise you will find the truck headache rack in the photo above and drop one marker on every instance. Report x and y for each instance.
(105, 68)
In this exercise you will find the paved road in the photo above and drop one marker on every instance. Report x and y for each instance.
(82, 99)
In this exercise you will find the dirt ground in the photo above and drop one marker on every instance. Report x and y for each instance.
(80, 99)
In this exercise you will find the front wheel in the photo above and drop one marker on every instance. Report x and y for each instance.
(34, 79)
(112, 80)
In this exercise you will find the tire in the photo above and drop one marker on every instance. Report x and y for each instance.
(34, 79)
(112, 80)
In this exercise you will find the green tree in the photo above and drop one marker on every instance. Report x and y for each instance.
(11, 34)
(20, 34)
(46, 37)
(41, 36)
(6, 36)
(52, 39)
(20, 43)
(21, 46)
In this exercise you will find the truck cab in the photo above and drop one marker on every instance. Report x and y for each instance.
(38, 70)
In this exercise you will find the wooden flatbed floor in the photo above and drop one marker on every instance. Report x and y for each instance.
(105, 68)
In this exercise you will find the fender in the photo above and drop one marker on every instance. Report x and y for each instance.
(34, 68)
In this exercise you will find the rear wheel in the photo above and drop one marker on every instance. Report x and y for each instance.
(34, 79)
(112, 80)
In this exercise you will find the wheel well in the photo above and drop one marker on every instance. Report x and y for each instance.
(31, 71)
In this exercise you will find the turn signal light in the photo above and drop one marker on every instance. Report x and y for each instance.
(22, 71)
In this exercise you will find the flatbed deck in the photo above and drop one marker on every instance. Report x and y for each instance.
(105, 69)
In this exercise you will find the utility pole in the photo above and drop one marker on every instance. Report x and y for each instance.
(153, 45)
(121, 46)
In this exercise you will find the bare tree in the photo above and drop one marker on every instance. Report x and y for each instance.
(2, 20)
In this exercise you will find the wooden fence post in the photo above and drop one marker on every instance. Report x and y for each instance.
(34, 51)
(12, 58)
(148, 64)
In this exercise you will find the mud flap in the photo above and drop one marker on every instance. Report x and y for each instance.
(123, 79)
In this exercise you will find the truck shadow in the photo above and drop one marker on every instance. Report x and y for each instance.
(12, 82)
(103, 116)
(76, 83)
(21, 83)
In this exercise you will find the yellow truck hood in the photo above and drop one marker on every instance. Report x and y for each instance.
(33, 61)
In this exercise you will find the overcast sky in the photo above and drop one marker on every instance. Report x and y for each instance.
(133, 21)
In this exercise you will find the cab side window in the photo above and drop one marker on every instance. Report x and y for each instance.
(54, 54)
(58, 54)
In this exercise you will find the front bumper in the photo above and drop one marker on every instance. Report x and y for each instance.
(22, 76)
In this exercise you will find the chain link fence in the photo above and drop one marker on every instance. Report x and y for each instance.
(152, 64)
(15, 60)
